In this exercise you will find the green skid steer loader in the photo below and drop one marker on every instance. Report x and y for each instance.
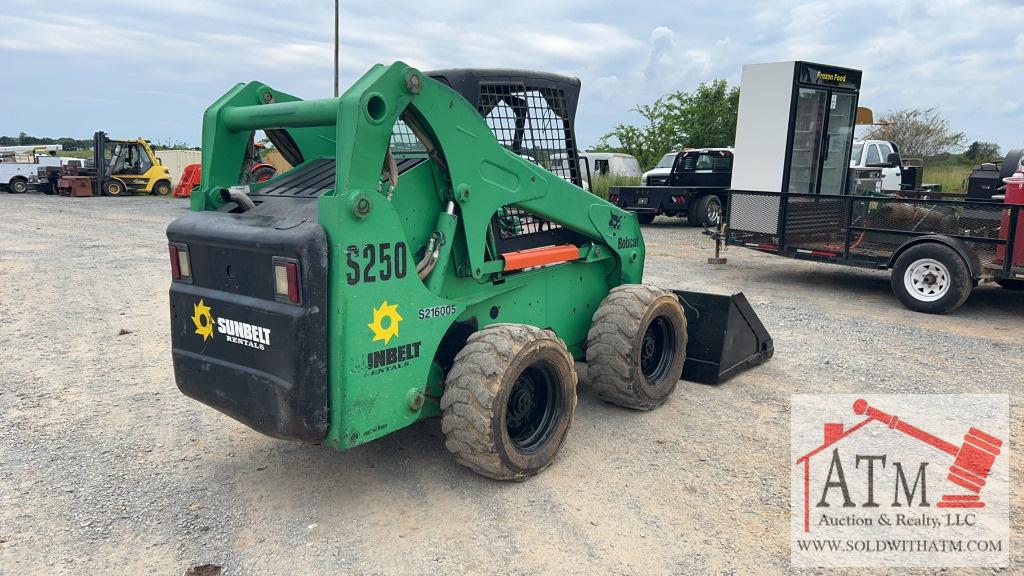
(430, 254)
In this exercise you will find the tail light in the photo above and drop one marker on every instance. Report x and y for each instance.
(181, 266)
(679, 199)
(613, 198)
(286, 280)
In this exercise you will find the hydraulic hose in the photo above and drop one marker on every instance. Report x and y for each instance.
(237, 195)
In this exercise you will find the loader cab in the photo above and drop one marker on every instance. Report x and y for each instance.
(532, 114)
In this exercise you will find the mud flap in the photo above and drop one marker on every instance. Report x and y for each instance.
(724, 336)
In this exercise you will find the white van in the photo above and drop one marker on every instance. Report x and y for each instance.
(611, 164)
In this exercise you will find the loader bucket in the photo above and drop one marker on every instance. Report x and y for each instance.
(724, 336)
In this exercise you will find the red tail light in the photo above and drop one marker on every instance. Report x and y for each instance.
(286, 280)
(613, 198)
(181, 266)
(175, 266)
(679, 199)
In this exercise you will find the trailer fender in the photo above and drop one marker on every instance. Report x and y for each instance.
(966, 252)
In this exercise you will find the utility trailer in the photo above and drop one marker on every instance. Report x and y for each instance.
(695, 189)
(938, 247)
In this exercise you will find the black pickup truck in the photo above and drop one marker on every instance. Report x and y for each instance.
(696, 188)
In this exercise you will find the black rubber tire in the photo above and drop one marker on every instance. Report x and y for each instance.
(162, 188)
(646, 217)
(616, 343)
(49, 189)
(113, 188)
(262, 174)
(476, 403)
(18, 186)
(1011, 283)
(960, 282)
(707, 212)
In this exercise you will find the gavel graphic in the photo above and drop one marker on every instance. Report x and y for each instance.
(972, 460)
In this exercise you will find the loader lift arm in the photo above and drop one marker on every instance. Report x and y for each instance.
(485, 178)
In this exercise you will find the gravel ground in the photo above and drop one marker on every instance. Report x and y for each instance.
(106, 469)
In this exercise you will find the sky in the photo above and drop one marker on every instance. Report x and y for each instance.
(138, 68)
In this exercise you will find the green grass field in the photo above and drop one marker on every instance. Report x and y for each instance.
(952, 177)
(599, 185)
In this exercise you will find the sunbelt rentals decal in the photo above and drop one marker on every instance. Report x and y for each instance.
(234, 331)
(384, 327)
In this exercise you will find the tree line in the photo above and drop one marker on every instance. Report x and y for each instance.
(71, 144)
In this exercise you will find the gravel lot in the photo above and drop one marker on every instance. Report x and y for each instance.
(105, 468)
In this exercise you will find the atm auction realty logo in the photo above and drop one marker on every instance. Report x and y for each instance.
(900, 480)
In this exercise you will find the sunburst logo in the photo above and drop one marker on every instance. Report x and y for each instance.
(385, 322)
(203, 319)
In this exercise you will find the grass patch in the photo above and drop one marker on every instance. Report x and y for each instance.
(599, 185)
(952, 177)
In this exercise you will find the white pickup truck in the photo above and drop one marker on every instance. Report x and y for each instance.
(16, 176)
(18, 172)
(879, 154)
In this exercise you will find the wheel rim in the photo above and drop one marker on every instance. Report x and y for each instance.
(113, 189)
(927, 280)
(714, 212)
(534, 404)
(657, 350)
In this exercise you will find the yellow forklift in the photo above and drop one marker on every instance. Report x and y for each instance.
(120, 166)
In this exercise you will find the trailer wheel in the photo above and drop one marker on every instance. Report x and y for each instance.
(646, 217)
(508, 401)
(931, 278)
(18, 186)
(162, 188)
(1011, 283)
(113, 188)
(706, 212)
(636, 346)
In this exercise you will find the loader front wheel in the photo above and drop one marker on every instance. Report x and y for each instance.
(636, 346)
(508, 401)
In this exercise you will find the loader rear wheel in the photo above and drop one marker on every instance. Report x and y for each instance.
(508, 401)
(636, 346)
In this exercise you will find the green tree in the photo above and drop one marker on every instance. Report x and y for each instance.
(918, 133)
(979, 152)
(704, 118)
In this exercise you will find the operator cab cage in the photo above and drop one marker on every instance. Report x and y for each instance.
(531, 113)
